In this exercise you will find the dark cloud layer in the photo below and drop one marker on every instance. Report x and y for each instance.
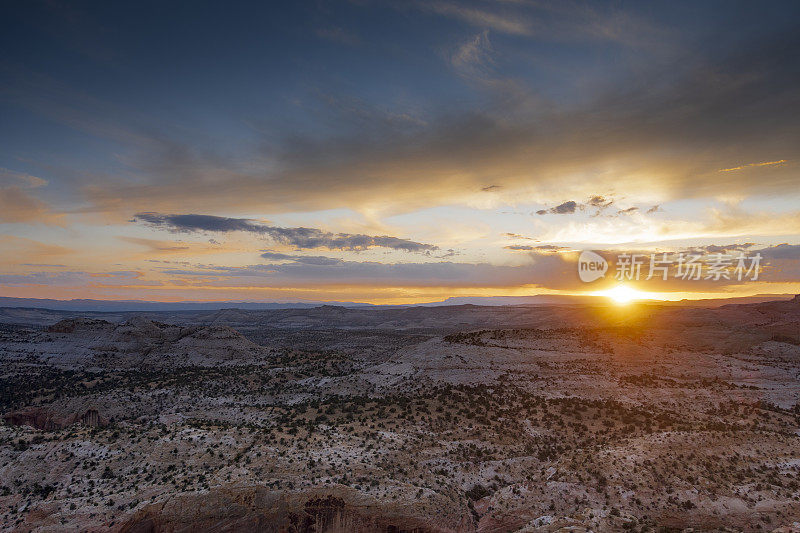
(782, 251)
(571, 206)
(597, 202)
(684, 109)
(547, 269)
(319, 260)
(303, 238)
(288, 270)
(679, 121)
(724, 248)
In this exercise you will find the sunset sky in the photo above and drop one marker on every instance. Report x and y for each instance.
(392, 152)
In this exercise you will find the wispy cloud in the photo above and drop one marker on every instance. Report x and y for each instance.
(540, 249)
(22, 250)
(18, 203)
(87, 280)
(555, 21)
(473, 58)
(339, 35)
(20, 206)
(155, 245)
(479, 17)
(10, 177)
(302, 238)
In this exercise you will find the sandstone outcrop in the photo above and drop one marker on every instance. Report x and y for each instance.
(259, 509)
(47, 420)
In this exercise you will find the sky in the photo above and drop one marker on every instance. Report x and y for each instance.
(395, 152)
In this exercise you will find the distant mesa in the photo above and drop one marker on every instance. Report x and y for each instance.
(146, 344)
(71, 325)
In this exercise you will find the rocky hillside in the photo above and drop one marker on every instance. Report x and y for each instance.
(141, 344)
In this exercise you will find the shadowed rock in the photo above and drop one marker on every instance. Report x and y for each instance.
(258, 509)
(47, 420)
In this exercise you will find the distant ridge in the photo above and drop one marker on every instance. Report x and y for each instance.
(539, 299)
(140, 305)
(145, 306)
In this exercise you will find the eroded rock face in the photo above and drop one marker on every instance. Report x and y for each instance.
(36, 417)
(259, 509)
(47, 420)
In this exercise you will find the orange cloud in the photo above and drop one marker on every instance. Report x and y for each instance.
(19, 250)
(17, 206)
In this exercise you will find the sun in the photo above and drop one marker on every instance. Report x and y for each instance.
(622, 294)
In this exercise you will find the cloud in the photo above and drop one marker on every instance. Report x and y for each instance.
(18, 206)
(318, 260)
(724, 248)
(155, 245)
(518, 236)
(570, 207)
(550, 267)
(473, 58)
(678, 131)
(450, 252)
(85, 280)
(542, 248)
(599, 202)
(550, 270)
(12, 177)
(16, 250)
(782, 251)
(276, 256)
(729, 222)
(189, 223)
(302, 238)
(510, 24)
(555, 21)
(566, 208)
(551, 248)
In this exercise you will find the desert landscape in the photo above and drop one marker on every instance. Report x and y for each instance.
(420, 266)
(644, 417)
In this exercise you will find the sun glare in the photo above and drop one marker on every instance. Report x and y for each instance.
(622, 294)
